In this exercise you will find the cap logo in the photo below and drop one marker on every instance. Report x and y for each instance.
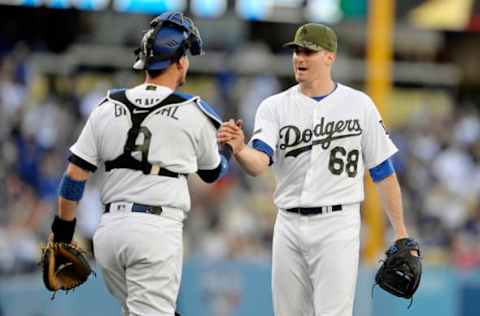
(172, 43)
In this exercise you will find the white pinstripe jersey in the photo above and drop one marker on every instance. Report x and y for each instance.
(321, 148)
(183, 140)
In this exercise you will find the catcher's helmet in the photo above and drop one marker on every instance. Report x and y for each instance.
(170, 35)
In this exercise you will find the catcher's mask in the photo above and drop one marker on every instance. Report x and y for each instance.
(170, 36)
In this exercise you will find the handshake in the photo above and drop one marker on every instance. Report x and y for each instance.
(231, 134)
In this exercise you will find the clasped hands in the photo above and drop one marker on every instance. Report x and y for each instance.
(231, 134)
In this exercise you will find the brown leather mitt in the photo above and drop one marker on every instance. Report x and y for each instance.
(65, 266)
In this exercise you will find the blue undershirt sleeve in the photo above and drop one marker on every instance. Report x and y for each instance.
(263, 147)
(381, 171)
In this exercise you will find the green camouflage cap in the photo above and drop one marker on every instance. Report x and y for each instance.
(315, 37)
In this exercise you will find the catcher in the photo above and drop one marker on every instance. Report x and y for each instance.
(147, 139)
(401, 271)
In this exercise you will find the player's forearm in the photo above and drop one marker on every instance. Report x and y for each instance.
(66, 209)
(254, 162)
(391, 199)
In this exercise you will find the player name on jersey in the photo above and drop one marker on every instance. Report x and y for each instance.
(291, 136)
(170, 112)
(147, 101)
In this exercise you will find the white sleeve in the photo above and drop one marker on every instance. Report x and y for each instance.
(376, 143)
(266, 125)
(208, 155)
(86, 145)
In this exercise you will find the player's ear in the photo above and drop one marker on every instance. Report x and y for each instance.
(183, 63)
(330, 58)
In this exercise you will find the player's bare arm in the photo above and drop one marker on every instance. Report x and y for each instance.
(254, 162)
(67, 208)
(391, 199)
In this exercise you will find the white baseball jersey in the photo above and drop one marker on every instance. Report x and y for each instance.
(321, 148)
(183, 140)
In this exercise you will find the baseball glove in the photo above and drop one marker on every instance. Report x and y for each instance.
(401, 270)
(65, 266)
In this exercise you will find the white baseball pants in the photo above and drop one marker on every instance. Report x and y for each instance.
(315, 263)
(141, 256)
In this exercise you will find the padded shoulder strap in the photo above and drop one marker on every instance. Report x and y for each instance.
(209, 112)
(119, 96)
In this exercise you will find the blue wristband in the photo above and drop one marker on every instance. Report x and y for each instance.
(71, 189)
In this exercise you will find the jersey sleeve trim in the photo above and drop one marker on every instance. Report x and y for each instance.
(382, 171)
(82, 163)
(264, 148)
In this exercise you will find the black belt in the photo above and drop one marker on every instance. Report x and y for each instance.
(141, 208)
(314, 210)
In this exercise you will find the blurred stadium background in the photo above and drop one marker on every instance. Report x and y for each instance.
(420, 61)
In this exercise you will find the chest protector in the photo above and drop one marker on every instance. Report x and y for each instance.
(138, 115)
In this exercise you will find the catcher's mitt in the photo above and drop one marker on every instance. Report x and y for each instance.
(65, 266)
(401, 270)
